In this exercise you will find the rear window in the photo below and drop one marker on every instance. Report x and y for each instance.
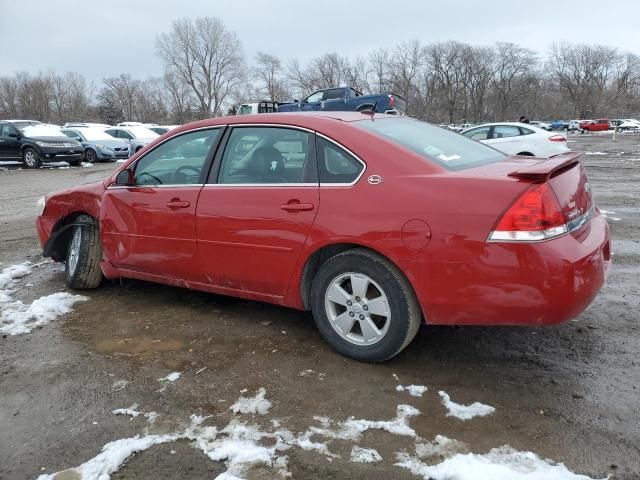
(448, 149)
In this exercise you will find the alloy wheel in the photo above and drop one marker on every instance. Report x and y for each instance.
(357, 308)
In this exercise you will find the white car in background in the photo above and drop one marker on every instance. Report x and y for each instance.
(628, 125)
(137, 137)
(519, 139)
(543, 125)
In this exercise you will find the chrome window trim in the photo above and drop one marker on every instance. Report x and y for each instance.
(173, 185)
(227, 185)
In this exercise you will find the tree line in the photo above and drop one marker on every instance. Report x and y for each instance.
(206, 73)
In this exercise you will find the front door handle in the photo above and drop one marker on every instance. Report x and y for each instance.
(175, 203)
(296, 207)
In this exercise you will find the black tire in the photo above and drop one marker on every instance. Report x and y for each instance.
(619, 130)
(405, 313)
(31, 158)
(85, 272)
(91, 155)
(138, 149)
(75, 163)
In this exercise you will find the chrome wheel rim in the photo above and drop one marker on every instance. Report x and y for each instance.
(357, 308)
(30, 158)
(91, 156)
(74, 250)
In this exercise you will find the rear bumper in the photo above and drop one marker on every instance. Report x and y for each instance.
(543, 283)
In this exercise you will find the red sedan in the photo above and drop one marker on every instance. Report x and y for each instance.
(375, 223)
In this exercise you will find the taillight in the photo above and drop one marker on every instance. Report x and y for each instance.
(392, 101)
(557, 138)
(535, 216)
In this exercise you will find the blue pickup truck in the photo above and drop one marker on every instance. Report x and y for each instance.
(347, 99)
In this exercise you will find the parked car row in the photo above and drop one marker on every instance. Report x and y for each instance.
(34, 143)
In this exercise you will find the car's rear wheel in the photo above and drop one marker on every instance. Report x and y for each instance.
(91, 155)
(31, 158)
(84, 254)
(364, 307)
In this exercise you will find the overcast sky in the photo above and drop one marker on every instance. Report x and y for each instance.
(105, 38)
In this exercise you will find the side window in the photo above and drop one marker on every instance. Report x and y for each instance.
(334, 94)
(4, 131)
(314, 97)
(335, 165)
(525, 131)
(113, 133)
(481, 133)
(178, 161)
(505, 131)
(266, 155)
(125, 135)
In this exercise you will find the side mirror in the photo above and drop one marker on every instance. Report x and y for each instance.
(125, 178)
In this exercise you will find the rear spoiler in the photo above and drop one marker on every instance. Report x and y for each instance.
(546, 168)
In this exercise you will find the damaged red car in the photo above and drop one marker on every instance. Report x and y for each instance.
(375, 223)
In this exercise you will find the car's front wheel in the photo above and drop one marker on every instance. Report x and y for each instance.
(364, 307)
(91, 155)
(84, 254)
(31, 158)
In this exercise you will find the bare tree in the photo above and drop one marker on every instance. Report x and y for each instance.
(270, 74)
(179, 98)
(207, 57)
(121, 92)
(513, 64)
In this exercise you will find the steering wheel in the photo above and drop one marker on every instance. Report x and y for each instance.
(176, 175)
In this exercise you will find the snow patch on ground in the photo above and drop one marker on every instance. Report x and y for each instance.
(414, 390)
(465, 412)
(242, 446)
(441, 446)
(610, 215)
(502, 462)
(131, 411)
(595, 153)
(365, 455)
(172, 377)
(257, 404)
(17, 318)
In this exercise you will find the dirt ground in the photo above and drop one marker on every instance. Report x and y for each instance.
(569, 393)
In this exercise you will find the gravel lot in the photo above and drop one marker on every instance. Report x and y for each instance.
(569, 393)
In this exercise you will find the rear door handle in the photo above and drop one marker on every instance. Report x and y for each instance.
(296, 207)
(178, 204)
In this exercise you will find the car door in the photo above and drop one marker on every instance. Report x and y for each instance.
(505, 138)
(149, 226)
(9, 143)
(312, 102)
(256, 211)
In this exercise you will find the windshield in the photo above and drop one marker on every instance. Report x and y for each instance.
(41, 131)
(142, 132)
(95, 134)
(448, 149)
